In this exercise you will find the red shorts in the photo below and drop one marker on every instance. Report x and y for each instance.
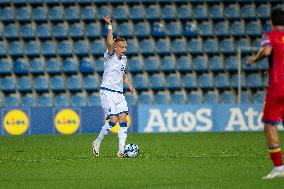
(273, 112)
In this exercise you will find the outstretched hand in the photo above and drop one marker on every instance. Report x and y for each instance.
(250, 61)
(107, 20)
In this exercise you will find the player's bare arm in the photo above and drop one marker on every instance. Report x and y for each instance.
(262, 53)
(129, 84)
(109, 43)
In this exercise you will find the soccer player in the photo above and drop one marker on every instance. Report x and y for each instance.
(111, 94)
(273, 112)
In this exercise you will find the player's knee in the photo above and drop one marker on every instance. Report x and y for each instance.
(114, 120)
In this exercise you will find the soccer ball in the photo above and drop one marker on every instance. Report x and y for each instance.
(131, 150)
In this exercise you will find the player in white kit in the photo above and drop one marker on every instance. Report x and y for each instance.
(112, 99)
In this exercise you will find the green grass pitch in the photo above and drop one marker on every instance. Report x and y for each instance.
(177, 160)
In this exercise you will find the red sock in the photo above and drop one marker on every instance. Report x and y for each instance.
(276, 156)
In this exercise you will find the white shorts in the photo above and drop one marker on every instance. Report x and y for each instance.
(113, 103)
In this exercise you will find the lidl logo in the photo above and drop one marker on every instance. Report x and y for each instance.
(67, 121)
(116, 127)
(16, 122)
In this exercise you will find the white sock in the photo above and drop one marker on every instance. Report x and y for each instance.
(104, 131)
(122, 135)
(279, 168)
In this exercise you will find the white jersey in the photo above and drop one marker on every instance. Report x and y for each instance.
(114, 69)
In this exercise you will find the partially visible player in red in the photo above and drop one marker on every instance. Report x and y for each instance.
(273, 112)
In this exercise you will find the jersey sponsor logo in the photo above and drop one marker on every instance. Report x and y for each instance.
(67, 121)
(16, 122)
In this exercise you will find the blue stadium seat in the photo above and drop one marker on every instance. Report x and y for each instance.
(234, 81)
(98, 47)
(157, 82)
(184, 64)
(44, 100)
(86, 66)
(178, 98)
(5, 66)
(31, 48)
(200, 64)
(43, 31)
(28, 100)
(142, 29)
(76, 31)
(231, 63)
(141, 82)
(222, 81)
(232, 11)
(7, 14)
(206, 81)
(61, 100)
(158, 29)
(18, 2)
(216, 12)
(151, 64)
(73, 84)
(254, 28)
(137, 12)
(145, 98)
(71, 13)
(103, 11)
(60, 31)
(8, 84)
(168, 12)
(35, 2)
(216, 64)
(100, 65)
(211, 46)
(15, 48)
(205, 29)
(153, 12)
(147, 47)
(57, 84)
(78, 100)
(222, 29)
(258, 97)
(81, 48)
(200, 12)
(126, 29)
(245, 97)
(163, 46)
(121, 12)
(162, 98)
(132, 47)
(256, 43)
(27, 31)
(53, 66)
(190, 29)
(130, 99)
(195, 46)
(227, 97)
(189, 81)
(179, 46)
(39, 14)
(24, 84)
(23, 14)
(254, 81)
(12, 100)
(194, 98)
(238, 28)
(64, 48)
(20, 67)
(173, 82)
(184, 12)
(174, 29)
(88, 13)
(70, 66)
(55, 13)
(135, 64)
(11, 31)
(263, 65)
(211, 97)
(90, 83)
(266, 27)
(3, 49)
(248, 11)
(244, 45)
(40, 84)
(227, 46)
(48, 48)
(93, 30)
(263, 11)
(167, 64)
(94, 100)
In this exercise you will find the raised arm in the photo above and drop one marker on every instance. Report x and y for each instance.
(109, 43)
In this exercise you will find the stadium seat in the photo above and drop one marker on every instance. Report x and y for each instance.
(44, 100)
(61, 100)
(200, 64)
(232, 11)
(200, 12)
(94, 100)
(142, 29)
(178, 98)
(244, 45)
(81, 48)
(173, 82)
(205, 29)
(57, 84)
(98, 47)
(60, 31)
(256, 43)
(248, 12)
(234, 81)
(263, 11)
(195, 46)
(53, 66)
(121, 12)
(3, 49)
(189, 82)
(93, 30)
(258, 97)
(70, 66)
(216, 12)
(184, 64)
(15, 48)
(254, 28)
(231, 63)
(245, 97)
(31, 48)
(64, 48)
(126, 29)
(35, 2)
(151, 64)
(40, 84)
(227, 46)
(157, 82)
(211, 97)
(12, 100)
(78, 100)
(27, 31)
(184, 12)
(8, 84)
(227, 97)
(43, 31)
(216, 64)
(158, 29)
(153, 12)
(254, 81)
(163, 47)
(162, 98)
(11, 31)
(147, 47)
(7, 14)
(222, 81)
(76, 31)
(237, 28)
(103, 11)
(222, 29)
(130, 99)
(5, 66)
(174, 29)
(24, 84)
(55, 13)
(71, 13)
(86, 66)
(179, 46)
(263, 65)
(90, 83)
(206, 81)
(168, 12)
(132, 47)
(74, 84)
(100, 65)
(48, 48)
(145, 98)
(135, 64)
(23, 14)
(194, 98)
(88, 13)
(28, 101)
(39, 14)
(20, 67)
(137, 12)
(211, 46)
(141, 82)
(190, 29)
(167, 64)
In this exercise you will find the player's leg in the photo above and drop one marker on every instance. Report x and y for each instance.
(122, 133)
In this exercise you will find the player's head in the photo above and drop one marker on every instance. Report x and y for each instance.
(277, 16)
(120, 46)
